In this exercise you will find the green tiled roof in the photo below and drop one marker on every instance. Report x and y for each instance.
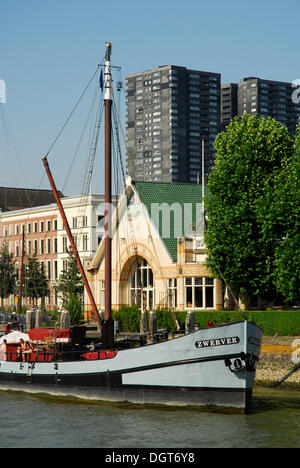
(188, 195)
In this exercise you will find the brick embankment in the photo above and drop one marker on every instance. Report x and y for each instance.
(276, 360)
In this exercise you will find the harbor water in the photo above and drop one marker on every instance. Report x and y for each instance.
(34, 421)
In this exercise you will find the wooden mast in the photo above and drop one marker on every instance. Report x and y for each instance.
(72, 243)
(108, 325)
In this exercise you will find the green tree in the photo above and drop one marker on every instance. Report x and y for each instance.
(70, 282)
(75, 308)
(35, 281)
(250, 153)
(282, 223)
(7, 273)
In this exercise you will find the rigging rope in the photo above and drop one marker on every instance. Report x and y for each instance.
(119, 145)
(11, 142)
(72, 112)
(229, 289)
(80, 141)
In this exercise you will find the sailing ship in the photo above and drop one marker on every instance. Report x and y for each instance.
(212, 366)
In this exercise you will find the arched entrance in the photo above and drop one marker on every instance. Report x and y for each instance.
(141, 285)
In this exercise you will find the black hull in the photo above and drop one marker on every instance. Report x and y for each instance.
(108, 388)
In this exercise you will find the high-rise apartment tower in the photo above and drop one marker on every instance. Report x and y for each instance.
(229, 102)
(170, 109)
(263, 97)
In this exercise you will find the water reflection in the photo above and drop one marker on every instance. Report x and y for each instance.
(274, 421)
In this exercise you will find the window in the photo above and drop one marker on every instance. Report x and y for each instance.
(195, 76)
(75, 239)
(172, 293)
(42, 247)
(42, 226)
(65, 243)
(199, 292)
(55, 269)
(35, 227)
(85, 242)
(142, 285)
(49, 270)
(48, 225)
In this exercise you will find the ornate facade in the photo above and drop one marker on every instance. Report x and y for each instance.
(158, 255)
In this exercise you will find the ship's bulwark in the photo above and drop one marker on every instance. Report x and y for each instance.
(210, 367)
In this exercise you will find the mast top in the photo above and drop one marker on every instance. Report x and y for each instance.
(108, 51)
(107, 73)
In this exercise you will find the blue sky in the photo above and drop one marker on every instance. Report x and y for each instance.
(50, 49)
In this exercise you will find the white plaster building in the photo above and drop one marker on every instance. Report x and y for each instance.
(46, 237)
(158, 255)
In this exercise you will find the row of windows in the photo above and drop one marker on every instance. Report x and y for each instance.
(31, 227)
(46, 246)
(34, 247)
(79, 222)
(198, 291)
(50, 269)
(148, 90)
(153, 75)
(35, 227)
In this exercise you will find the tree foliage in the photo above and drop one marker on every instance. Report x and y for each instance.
(35, 281)
(75, 308)
(70, 282)
(282, 223)
(7, 273)
(250, 154)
